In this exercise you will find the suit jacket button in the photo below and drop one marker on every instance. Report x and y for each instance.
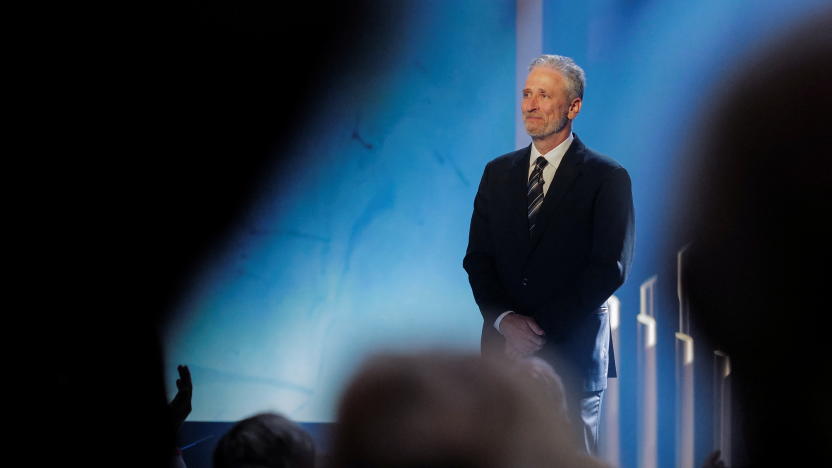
(524, 282)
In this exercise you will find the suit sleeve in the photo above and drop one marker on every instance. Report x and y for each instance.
(613, 233)
(480, 262)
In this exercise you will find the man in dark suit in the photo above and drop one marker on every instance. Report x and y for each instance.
(551, 239)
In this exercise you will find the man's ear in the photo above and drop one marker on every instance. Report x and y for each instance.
(574, 108)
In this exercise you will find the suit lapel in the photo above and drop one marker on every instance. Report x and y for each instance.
(518, 179)
(568, 171)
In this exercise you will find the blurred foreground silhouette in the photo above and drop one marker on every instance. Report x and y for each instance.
(756, 272)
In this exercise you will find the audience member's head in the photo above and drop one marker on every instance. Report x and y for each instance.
(266, 440)
(551, 385)
(755, 220)
(449, 410)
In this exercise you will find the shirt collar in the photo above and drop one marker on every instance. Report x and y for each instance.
(554, 156)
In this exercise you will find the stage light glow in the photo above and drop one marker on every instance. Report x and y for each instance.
(650, 324)
(615, 312)
(688, 349)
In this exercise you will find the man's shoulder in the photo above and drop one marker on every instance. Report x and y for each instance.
(507, 160)
(600, 162)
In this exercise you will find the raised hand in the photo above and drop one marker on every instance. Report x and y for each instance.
(180, 406)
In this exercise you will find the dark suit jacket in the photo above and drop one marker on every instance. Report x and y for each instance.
(562, 275)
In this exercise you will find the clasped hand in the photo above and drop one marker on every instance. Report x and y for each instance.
(523, 335)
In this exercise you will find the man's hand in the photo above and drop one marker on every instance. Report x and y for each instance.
(523, 335)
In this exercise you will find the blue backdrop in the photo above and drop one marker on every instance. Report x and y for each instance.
(355, 243)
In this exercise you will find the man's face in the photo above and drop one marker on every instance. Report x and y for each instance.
(546, 106)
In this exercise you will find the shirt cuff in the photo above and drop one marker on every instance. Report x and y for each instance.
(500, 319)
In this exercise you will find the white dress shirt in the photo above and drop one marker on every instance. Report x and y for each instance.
(553, 158)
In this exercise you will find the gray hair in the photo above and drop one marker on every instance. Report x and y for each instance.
(575, 76)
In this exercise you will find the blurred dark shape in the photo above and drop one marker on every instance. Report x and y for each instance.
(444, 410)
(266, 440)
(713, 460)
(757, 270)
(551, 384)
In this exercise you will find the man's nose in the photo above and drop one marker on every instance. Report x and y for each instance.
(530, 104)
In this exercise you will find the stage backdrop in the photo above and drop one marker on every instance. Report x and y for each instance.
(356, 242)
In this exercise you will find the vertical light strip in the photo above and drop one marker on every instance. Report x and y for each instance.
(684, 311)
(647, 375)
(685, 349)
(647, 315)
(685, 398)
(529, 41)
(615, 316)
(684, 401)
(610, 441)
(648, 324)
(722, 405)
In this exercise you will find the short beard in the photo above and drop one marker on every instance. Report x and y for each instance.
(559, 127)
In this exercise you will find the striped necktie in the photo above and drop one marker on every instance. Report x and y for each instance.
(535, 192)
